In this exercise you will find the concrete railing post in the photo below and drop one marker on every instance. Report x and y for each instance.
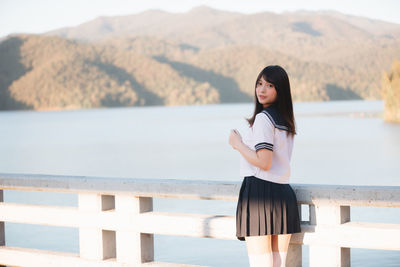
(329, 255)
(95, 243)
(133, 247)
(2, 233)
(294, 256)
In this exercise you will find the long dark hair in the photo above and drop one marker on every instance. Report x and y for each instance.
(279, 78)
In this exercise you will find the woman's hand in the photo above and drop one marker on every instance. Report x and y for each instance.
(261, 158)
(235, 139)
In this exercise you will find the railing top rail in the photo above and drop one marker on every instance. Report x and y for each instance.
(388, 196)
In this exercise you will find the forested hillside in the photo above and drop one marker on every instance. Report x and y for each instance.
(391, 93)
(204, 56)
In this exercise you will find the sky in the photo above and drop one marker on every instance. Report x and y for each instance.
(39, 16)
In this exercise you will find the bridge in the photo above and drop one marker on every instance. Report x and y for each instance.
(117, 223)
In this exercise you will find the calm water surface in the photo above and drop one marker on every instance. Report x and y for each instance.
(344, 142)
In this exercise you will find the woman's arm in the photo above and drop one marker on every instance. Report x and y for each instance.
(261, 159)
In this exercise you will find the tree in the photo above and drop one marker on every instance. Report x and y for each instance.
(391, 93)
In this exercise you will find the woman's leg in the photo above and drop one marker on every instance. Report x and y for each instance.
(259, 249)
(280, 246)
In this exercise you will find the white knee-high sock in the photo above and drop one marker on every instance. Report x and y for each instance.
(279, 258)
(261, 260)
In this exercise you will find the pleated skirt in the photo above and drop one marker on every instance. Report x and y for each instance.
(266, 208)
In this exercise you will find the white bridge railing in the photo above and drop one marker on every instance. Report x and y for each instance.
(116, 220)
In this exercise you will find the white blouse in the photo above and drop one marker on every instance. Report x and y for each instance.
(269, 131)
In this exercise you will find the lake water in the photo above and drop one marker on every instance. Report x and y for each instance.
(342, 142)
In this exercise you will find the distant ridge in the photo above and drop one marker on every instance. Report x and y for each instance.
(201, 18)
(203, 56)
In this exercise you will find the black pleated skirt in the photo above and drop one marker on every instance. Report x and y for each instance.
(266, 208)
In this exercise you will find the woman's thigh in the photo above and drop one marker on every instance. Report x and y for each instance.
(258, 244)
(280, 242)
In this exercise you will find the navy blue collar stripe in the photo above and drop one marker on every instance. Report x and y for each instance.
(276, 120)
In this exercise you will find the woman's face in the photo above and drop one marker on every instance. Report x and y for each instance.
(266, 92)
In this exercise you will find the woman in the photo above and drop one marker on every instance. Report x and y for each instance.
(267, 212)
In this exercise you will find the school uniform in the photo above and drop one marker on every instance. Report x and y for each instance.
(267, 204)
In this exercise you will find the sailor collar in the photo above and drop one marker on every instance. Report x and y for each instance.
(276, 118)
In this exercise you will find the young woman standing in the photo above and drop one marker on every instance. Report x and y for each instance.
(267, 212)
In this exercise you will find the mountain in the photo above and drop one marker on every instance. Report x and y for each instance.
(163, 24)
(204, 56)
(152, 22)
(373, 26)
(39, 72)
(363, 45)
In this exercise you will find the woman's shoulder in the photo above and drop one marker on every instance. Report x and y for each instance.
(274, 117)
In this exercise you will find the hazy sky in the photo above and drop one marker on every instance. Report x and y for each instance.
(37, 16)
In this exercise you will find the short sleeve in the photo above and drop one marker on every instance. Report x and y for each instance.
(263, 132)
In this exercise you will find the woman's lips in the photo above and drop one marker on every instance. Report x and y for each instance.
(262, 97)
